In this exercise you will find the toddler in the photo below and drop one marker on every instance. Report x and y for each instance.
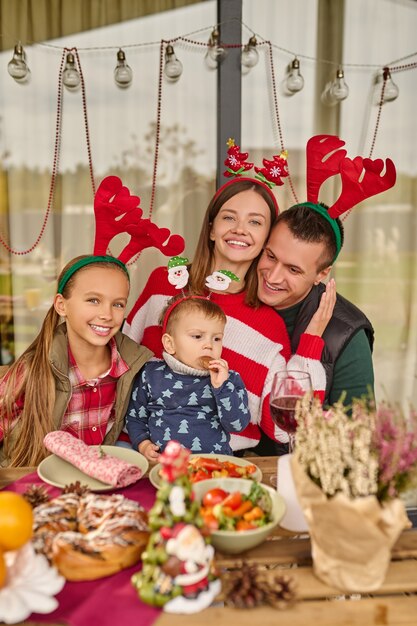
(191, 396)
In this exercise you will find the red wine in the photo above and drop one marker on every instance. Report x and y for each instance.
(282, 413)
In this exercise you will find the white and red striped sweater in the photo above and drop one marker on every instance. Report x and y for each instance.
(255, 344)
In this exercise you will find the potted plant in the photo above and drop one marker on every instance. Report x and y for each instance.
(349, 470)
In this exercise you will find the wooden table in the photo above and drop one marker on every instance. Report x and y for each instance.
(394, 604)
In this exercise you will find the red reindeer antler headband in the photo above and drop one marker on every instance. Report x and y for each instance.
(361, 178)
(117, 211)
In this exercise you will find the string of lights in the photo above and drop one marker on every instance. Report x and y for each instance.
(170, 70)
(334, 91)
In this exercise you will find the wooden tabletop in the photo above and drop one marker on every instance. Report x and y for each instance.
(394, 604)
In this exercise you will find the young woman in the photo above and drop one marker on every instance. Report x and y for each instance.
(78, 372)
(256, 344)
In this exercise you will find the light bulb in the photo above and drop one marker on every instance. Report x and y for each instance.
(293, 81)
(215, 51)
(70, 75)
(173, 67)
(336, 90)
(339, 89)
(391, 90)
(17, 67)
(250, 55)
(123, 74)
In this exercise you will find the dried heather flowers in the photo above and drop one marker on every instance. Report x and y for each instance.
(395, 440)
(373, 451)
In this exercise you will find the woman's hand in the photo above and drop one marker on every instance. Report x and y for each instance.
(149, 450)
(219, 372)
(322, 316)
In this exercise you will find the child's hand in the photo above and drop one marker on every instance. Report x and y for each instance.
(149, 450)
(219, 372)
(323, 315)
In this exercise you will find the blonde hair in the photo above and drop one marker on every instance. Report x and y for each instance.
(183, 305)
(30, 378)
(202, 264)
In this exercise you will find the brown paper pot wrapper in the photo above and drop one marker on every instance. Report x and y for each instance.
(351, 540)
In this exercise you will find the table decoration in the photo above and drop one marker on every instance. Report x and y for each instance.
(31, 585)
(247, 585)
(178, 564)
(349, 471)
(105, 601)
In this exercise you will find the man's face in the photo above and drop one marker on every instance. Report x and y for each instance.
(288, 268)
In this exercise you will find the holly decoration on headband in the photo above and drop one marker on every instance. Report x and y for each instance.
(236, 161)
(177, 271)
(117, 211)
(220, 280)
(273, 171)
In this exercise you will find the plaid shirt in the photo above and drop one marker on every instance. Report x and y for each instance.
(90, 411)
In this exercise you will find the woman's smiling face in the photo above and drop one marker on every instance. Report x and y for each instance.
(240, 229)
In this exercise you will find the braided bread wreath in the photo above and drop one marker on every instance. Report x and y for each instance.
(90, 536)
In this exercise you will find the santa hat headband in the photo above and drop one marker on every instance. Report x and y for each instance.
(117, 211)
(268, 176)
(361, 178)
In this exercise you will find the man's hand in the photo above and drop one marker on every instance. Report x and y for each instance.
(322, 316)
(149, 450)
(219, 372)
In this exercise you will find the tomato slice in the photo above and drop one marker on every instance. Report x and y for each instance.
(214, 496)
(233, 500)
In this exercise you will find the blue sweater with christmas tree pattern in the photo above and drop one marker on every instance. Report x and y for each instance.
(180, 403)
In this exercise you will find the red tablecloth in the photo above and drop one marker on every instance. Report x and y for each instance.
(106, 601)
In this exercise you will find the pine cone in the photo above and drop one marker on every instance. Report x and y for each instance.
(76, 488)
(36, 494)
(240, 588)
(251, 586)
(280, 590)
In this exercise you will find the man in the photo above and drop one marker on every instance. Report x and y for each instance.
(297, 257)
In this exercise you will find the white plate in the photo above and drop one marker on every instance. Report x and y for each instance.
(155, 478)
(55, 471)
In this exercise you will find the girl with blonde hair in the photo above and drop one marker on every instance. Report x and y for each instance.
(78, 372)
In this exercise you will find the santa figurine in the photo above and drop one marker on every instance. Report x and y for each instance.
(178, 272)
(220, 280)
(178, 564)
(190, 559)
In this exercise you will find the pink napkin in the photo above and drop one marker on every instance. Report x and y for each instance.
(106, 468)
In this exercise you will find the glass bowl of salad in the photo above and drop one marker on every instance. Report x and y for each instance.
(238, 513)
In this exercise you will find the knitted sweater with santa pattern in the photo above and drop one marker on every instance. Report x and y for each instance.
(255, 344)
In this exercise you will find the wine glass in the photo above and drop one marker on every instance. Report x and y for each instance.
(287, 388)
